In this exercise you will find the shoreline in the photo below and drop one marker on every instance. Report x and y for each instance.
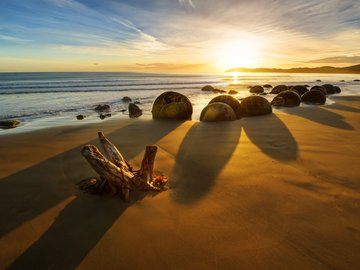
(70, 120)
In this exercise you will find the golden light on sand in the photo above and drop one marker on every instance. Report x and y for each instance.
(239, 53)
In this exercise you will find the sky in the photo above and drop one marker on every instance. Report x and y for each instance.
(177, 35)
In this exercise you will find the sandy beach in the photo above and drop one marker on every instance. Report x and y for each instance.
(273, 192)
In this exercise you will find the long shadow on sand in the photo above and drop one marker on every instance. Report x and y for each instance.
(271, 136)
(83, 222)
(320, 115)
(342, 107)
(201, 157)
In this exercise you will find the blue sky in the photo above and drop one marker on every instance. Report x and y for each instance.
(177, 35)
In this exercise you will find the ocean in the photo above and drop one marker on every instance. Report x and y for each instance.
(43, 100)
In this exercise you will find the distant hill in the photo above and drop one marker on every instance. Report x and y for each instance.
(326, 69)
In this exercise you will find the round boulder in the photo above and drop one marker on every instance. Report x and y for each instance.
(300, 89)
(255, 105)
(279, 88)
(320, 88)
(329, 89)
(217, 111)
(287, 99)
(257, 89)
(172, 105)
(314, 97)
(337, 89)
(229, 100)
(207, 88)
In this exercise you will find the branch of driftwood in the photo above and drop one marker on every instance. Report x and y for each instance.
(116, 174)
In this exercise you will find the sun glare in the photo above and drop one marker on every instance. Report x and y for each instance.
(238, 54)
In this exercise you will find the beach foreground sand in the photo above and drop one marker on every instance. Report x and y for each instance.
(272, 192)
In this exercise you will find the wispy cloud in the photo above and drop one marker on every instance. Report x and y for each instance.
(14, 39)
(189, 3)
(283, 32)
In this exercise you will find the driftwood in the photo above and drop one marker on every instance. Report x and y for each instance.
(115, 172)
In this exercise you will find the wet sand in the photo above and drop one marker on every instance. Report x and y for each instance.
(272, 192)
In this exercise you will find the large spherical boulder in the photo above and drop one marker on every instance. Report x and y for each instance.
(217, 111)
(314, 97)
(229, 100)
(257, 89)
(300, 89)
(279, 88)
(207, 88)
(320, 88)
(172, 105)
(287, 99)
(255, 105)
(329, 88)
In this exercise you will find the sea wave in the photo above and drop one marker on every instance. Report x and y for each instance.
(62, 90)
(90, 85)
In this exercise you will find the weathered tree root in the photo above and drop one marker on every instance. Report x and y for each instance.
(116, 174)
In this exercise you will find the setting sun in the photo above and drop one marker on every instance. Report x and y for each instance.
(238, 54)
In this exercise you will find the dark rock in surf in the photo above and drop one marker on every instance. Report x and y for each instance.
(102, 108)
(320, 88)
(207, 88)
(80, 117)
(315, 97)
(5, 124)
(134, 111)
(267, 86)
(287, 98)
(257, 89)
(216, 90)
(233, 92)
(103, 116)
(126, 99)
(279, 88)
(329, 89)
(300, 89)
(337, 89)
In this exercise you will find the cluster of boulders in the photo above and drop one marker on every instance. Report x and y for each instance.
(173, 105)
(228, 108)
(104, 109)
(209, 88)
(289, 96)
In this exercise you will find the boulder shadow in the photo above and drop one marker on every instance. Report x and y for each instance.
(320, 115)
(342, 107)
(205, 150)
(271, 136)
(81, 224)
